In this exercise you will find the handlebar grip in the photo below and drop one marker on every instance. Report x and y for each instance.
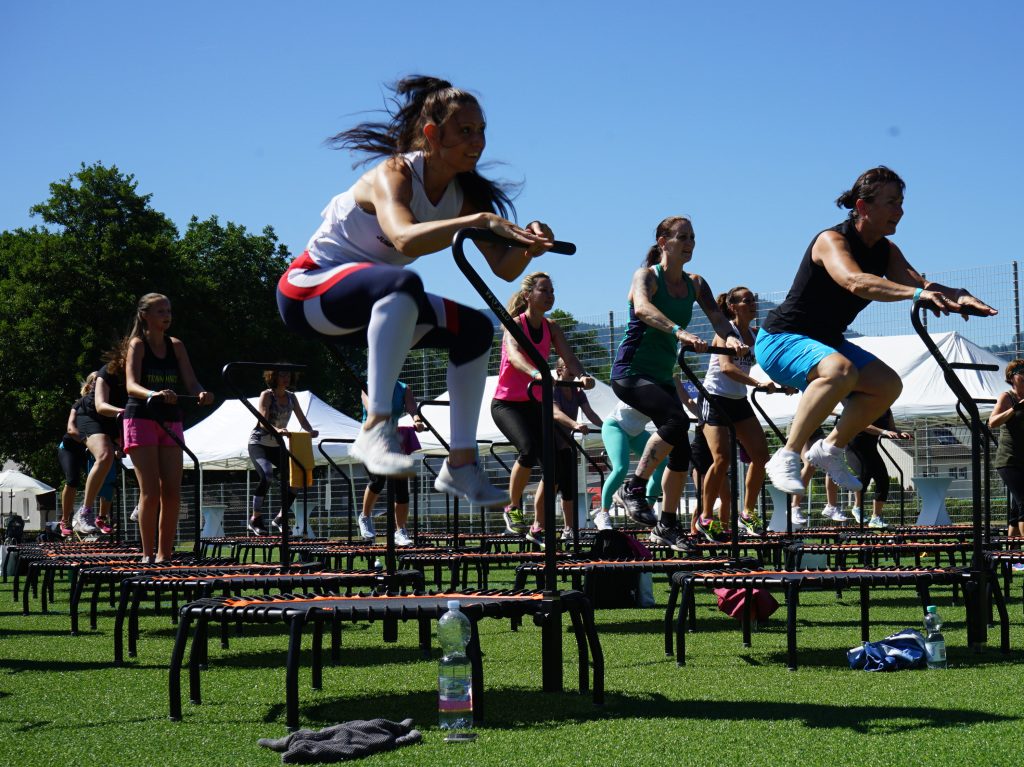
(479, 234)
(710, 350)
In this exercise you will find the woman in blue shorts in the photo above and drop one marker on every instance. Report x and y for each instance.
(801, 342)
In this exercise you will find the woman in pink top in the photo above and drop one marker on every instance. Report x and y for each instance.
(518, 416)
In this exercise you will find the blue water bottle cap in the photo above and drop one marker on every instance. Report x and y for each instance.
(453, 604)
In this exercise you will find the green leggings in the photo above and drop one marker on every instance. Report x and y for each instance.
(618, 445)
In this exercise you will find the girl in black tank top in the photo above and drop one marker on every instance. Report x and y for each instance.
(156, 365)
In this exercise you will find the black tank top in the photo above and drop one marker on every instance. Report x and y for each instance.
(158, 373)
(816, 306)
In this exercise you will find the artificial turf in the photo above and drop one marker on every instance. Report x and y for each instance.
(63, 703)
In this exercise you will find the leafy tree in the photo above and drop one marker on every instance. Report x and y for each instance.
(591, 352)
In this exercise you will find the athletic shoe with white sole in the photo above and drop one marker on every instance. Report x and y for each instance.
(672, 536)
(366, 528)
(752, 524)
(878, 522)
(634, 501)
(256, 526)
(536, 534)
(380, 451)
(103, 526)
(603, 520)
(797, 516)
(514, 524)
(469, 482)
(857, 514)
(834, 464)
(135, 514)
(402, 538)
(85, 521)
(711, 529)
(784, 472)
(834, 513)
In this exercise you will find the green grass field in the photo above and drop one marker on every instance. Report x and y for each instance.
(63, 703)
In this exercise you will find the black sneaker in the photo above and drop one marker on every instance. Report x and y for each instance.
(276, 524)
(672, 536)
(634, 501)
(256, 526)
(711, 529)
(752, 525)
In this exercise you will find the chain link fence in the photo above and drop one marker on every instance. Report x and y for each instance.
(941, 447)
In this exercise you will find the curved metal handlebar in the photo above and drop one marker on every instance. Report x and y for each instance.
(479, 234)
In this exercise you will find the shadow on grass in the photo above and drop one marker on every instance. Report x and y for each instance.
(512, 708)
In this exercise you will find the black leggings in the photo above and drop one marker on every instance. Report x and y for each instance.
(520, 423)
(661, 404)
(398, 487)
(868, 465)
(265, 460)
(1013, 478)
(72, 462)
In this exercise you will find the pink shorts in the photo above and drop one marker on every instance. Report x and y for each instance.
(143, 432)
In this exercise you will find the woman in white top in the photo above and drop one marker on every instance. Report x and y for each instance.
(726, 381)
(350, 285)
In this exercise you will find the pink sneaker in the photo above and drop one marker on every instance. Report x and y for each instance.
(103, 526)
(65, 529)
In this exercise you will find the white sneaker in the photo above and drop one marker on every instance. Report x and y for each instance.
(833, 513)
(469, 482)
(380, 451)
(833, 464)
(878, 522)
(402, 538)
(797, 516)
(784, 472)
(603, 520)
(857, 514)
(366, 528)
(85, 521)
(567, 536)
(135, 514)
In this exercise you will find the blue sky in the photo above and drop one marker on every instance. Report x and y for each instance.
(749, 117)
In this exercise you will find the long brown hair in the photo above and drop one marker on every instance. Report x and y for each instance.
(664, 229)
(724, 299)
(417, 101)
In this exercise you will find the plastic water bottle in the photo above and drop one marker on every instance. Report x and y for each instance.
(454, 673)
(934, 643)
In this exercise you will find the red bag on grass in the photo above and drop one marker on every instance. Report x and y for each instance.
(730, 602)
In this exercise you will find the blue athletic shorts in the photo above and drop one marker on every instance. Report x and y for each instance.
(788, 358)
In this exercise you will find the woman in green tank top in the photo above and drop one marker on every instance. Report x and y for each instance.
(1009, 413)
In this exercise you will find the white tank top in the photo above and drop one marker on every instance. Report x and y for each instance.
(631, 421)
(718, 383)
(350, 234)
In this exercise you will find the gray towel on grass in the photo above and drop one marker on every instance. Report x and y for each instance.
(350, 740)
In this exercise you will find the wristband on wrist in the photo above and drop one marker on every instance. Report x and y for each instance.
(675, 329)
(150, 397)
(917, 293)
(534, 373)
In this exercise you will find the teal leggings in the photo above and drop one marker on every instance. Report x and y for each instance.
(618, 445)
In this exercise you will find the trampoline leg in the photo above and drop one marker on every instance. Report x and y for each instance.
(122, 608)
(792, 598)
(317, 682)
(291, 674)
(94, 604)
(195, 660)
(865, 606)
(673, 598)
(681, 622)
(551, 642)
(748, 604)
(174, 679)
(477, 670)
(581, 648)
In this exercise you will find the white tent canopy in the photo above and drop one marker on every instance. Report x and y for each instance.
(221, 440)
(925, 393)
(601, 398)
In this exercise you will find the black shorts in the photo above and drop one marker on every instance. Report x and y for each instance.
(88, 426)
(736, 409)
(700, 453)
